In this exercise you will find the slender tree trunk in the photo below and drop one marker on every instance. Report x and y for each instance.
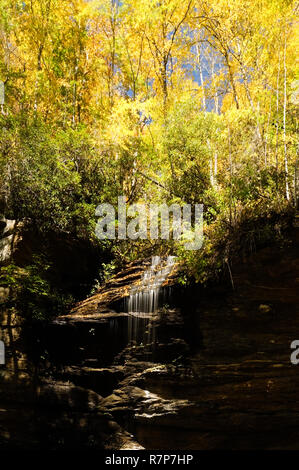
(296, 184)
(232, 81)
(286, 163)
(211, 172)
(216, 107)
(266, 134)
(277, 119)
(204, 102)
(111, 72)
(216, 97)
(75, 94)
(39, 67)
(164, 83)
(212, 180)
(230, 177)
(215, 166)
(252, 105)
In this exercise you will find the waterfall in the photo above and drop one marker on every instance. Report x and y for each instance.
(143, 300)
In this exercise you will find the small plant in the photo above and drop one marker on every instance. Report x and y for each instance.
(31, 292)
(108, 270)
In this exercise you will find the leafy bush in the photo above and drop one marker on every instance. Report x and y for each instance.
(31, 292)
(225, 241)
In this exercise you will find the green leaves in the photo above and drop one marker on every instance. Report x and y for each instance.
(31, 291)
(46, 176)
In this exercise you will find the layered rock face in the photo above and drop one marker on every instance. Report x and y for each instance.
(209, 369)
(36, 409)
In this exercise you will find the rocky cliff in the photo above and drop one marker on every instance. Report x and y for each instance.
(214, 372)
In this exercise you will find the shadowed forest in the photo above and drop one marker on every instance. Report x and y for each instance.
(169, 102)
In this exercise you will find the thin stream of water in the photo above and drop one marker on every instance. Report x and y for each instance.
(143, 301)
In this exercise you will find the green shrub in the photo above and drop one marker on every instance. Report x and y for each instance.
(31, 292)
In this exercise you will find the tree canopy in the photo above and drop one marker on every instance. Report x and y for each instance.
(166, 101)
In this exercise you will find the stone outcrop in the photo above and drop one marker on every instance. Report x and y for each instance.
(235, 388)
(55, 415)
(215, 373)
(114, 291)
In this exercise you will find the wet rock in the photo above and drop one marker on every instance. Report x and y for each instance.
(231, 387)
(102, 381)
(65, 395)
(53, 415)
(129, 401)
(114, 292)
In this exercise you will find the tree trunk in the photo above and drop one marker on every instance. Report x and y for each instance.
(232, 81)
(266, 134)
(277, 118)
(286, 163)
(201, 77)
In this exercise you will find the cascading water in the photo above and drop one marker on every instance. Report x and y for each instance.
(143, 301)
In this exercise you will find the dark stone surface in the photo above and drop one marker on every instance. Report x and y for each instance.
(218, 376)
